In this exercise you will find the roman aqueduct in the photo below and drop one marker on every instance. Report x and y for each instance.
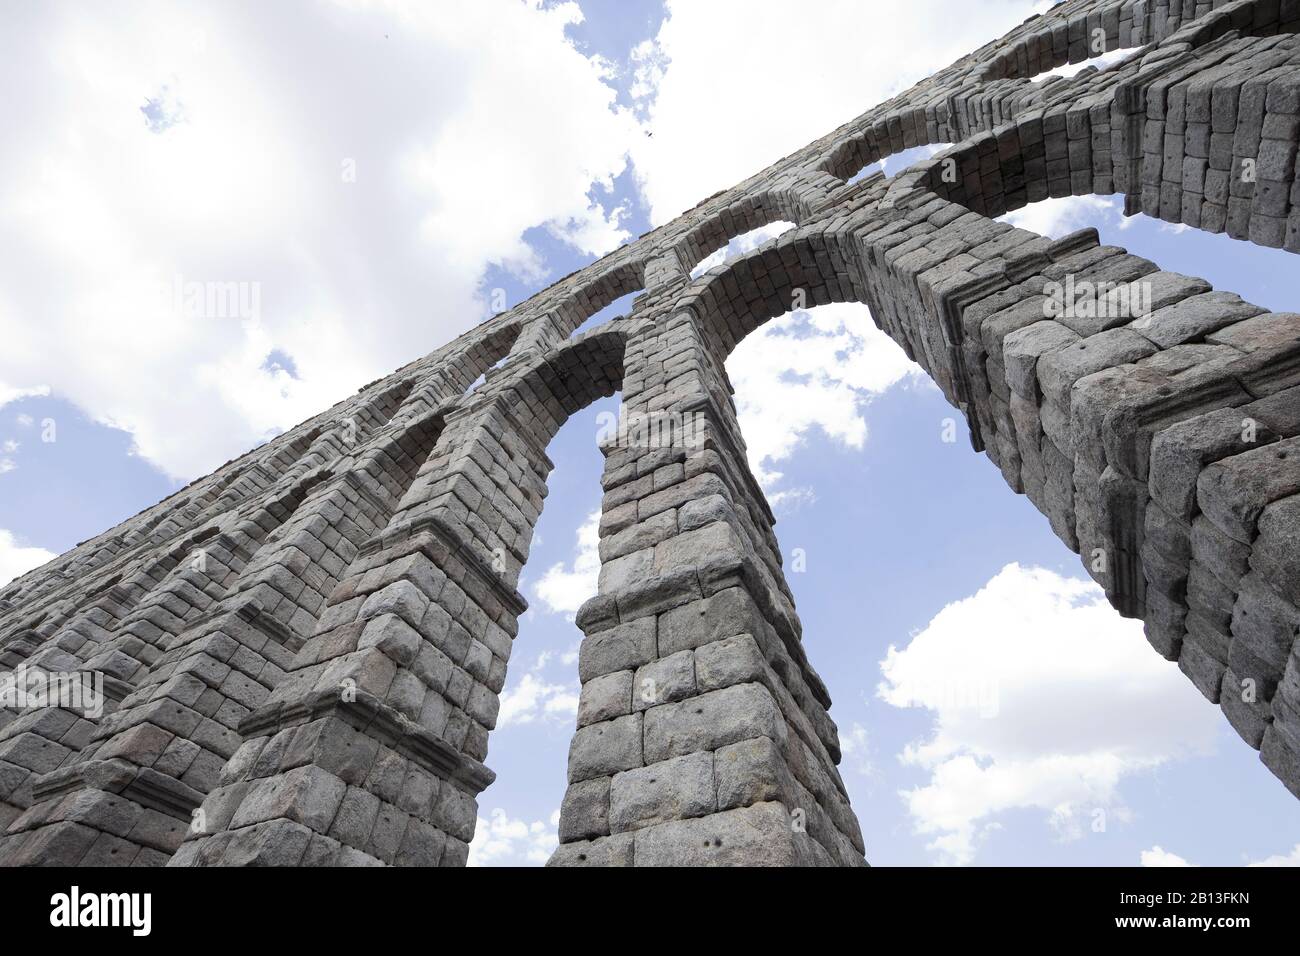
(302, 652)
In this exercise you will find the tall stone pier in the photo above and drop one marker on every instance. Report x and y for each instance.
(302, 654)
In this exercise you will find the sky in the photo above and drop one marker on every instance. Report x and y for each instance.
(370, 175)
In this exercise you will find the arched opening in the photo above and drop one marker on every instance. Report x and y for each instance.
(895, 163)
(237, 585)
(618, 308)
(610, 294)
(739, 245)
(1261, 275)
(1101, 62)
(768, 281)
(950, 482)
(517, 815)
(576, 311)
(1017, 372)
(474, 385)
(1243, 189)
(742, 218)
(1066, 48)
(469, 367)
(480, 521)
(885, 137)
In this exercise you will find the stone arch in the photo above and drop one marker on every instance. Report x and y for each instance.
(999, 90)
(1085, 412)
(737, 218)
(560, 317)
(106, 588)
(676, 738)
(1053, 42)
(473, 361)
(1240, 183)
(380, 410)
(261, 587)
(741, 295)
(390, 464)
(421, 624)
(519, 412)
(878, 140)
(601, 291)
(121, 638)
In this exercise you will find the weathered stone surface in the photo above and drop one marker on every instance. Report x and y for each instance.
(306, 795)
(1247, 715)
(605, 748)
(620, 648)
(1023, 348)
(1180, 452)
(735, 660)
(1202, 669)
(712, 720)
(1059, 370)
(1262, 332)
(1233, 492)
(760, 835)
(616, 850)
(1274, 554)
(1194, 318)
(674, 789)
(605, 697)
(724, 614)
(752, 771)
(664, 681)
(584, 814)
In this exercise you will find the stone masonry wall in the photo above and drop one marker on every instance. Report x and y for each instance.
(302, 653)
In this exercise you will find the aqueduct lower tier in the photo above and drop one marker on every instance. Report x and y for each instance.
(303, 652)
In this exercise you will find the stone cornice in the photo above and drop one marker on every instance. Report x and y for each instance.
(437, 528)
(376, 719)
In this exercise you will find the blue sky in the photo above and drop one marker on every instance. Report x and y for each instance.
(994, 710)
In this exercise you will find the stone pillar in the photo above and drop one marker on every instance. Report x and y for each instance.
(192, 665)
(703, 737)
(370, 750)
(120, 629)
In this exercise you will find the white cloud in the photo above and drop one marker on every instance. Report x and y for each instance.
(532, 697)
(855, 746)
(563, 590)
(1055, 218)
(16, 559)
(10, 394)
(215, 143)
(1291, 859)
(648, 66)
(813, 369)
(1043, 698)
(501, 840)
(819, 68)
(1160, 857)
